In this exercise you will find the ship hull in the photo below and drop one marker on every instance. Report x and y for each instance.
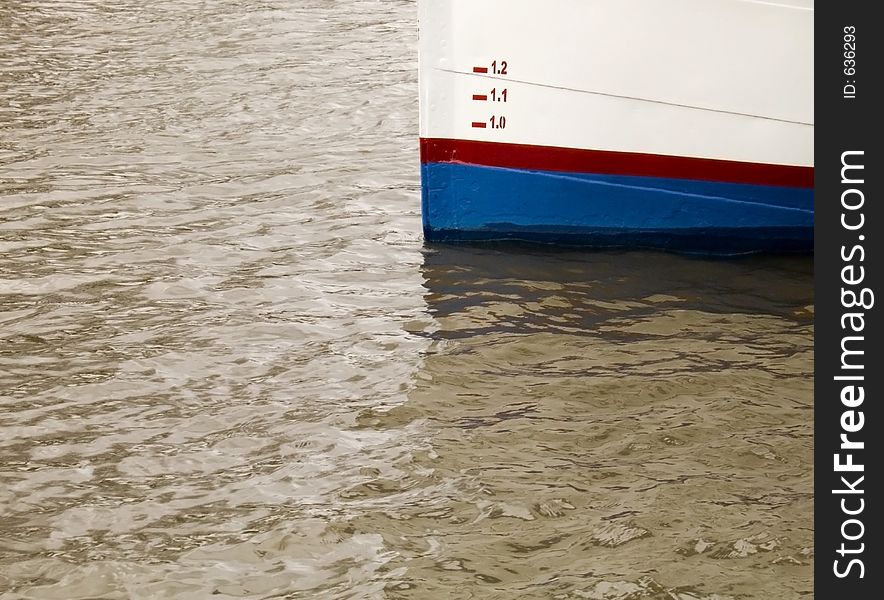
(533, 129)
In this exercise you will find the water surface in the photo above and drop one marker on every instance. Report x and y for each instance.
(229, 368)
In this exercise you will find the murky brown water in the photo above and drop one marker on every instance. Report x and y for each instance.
(230, 369)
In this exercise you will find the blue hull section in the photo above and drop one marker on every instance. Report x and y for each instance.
(464, 202)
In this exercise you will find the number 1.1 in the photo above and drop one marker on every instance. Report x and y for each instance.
(495, 97)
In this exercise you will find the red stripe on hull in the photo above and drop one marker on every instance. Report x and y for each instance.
(603, 162)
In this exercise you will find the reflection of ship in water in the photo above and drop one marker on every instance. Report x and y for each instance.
(604, 422)
(530, 289)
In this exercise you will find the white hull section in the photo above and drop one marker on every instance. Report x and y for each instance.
(720, 79)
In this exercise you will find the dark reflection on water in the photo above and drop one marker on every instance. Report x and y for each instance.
(613, 425)
(594, 287)
(230, 369)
